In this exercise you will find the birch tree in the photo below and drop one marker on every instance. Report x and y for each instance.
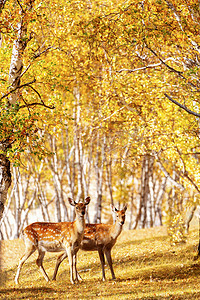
(16, 67)
(17, 125)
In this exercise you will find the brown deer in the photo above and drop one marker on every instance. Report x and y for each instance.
(101, 238)
(55, 237)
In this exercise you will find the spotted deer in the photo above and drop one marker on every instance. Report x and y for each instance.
(102, 237)
(55, 237)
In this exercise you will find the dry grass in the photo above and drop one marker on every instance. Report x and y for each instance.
(145, 264)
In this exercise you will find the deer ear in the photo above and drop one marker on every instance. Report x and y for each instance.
(125, 207)
(113, 208)
(71, 201)
(87, 200)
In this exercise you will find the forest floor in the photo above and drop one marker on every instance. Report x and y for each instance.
(145, 264)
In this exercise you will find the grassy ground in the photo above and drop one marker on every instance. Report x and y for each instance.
(145, 264)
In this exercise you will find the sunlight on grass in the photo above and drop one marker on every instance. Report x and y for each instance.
(145, 264)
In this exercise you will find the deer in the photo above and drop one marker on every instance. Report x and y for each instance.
(55, 237)
(102, 238)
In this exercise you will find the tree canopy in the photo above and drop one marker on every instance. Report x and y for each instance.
(121, 77)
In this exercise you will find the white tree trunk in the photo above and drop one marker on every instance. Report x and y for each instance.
(16, 64)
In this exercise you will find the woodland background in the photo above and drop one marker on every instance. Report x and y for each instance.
(100, 98)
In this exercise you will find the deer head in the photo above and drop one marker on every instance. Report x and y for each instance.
(79, 206)
(120, 214)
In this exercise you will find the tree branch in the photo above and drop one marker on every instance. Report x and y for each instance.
(183, 106)
(20, 6)
(2, 3)
(164, 63)
(44, 51)
(36, 103)
(167, 175)
(185, 172)
(179, 73)
(17, 88)
(31, 104)
(25, 71)
(144, 68)
(139, 69)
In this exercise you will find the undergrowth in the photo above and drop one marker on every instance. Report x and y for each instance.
(146, 265)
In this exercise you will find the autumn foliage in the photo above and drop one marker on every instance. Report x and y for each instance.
(107, 90)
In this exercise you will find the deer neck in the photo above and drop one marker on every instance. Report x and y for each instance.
(80, 224)
(116, 230)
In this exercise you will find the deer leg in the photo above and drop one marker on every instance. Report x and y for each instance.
(60, 259)
(71, 264)
(58, 262)
(39, 261)
(109, 260)
(74, 267)
(102, 259)
(26, 255)
(77, 277)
